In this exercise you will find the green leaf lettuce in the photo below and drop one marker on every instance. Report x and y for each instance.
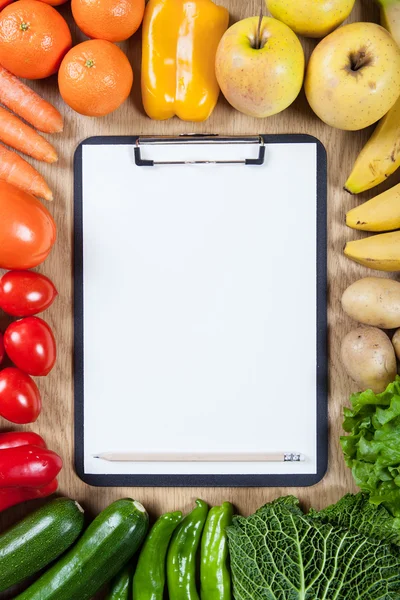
(372, 448)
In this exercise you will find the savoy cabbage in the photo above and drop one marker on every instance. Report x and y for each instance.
(342, 553)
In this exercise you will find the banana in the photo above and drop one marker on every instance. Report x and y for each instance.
(381, 252)
(390, 17)
(380, 157)
(382, 213)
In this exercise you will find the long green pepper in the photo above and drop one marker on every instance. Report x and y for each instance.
(149, 577)
(181, 558)
(215, 576)
(120, 585)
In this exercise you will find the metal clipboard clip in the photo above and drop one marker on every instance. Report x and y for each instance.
(198, 139)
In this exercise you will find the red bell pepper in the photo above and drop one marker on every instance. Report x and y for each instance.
(28, 466)
(12, 439)
(11, 496)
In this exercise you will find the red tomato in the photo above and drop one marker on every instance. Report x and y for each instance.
(20, 400)
(31, 345)
(27, 231)
(2, 351)
(4, 3)
(25, 293)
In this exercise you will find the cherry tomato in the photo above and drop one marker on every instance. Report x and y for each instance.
(20, 400)
(4, 3)
(25, 293)
(27, 231)
(2, 351)
(31, 345)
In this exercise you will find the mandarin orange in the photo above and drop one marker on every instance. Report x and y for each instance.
(95, 78)
(112, 20)
(34, 38)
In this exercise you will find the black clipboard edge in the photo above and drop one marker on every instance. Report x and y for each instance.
(244, 480)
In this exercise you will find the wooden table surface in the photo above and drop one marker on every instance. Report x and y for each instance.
(56, 421)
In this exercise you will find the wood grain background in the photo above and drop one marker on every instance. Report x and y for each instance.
(56, 421)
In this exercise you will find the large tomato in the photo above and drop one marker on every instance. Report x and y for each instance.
(20, 400)
(31, 345)
(25, 293)
(27, 231)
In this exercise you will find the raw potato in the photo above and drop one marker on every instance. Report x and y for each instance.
(369, 358)
(396, 342)
(373, 301)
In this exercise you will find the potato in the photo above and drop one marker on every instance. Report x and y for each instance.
(396, 342)
(369, 359)
(373, 301)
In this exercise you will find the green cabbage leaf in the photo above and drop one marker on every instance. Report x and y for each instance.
(280, 553)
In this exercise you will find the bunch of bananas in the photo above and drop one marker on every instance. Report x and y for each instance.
(379, 158)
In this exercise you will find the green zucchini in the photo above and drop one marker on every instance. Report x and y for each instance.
(105, 547)
(120, 586)
(38, 539)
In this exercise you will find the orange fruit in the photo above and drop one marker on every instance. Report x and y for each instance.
(95, 78)
(112, 20)
(34, 37)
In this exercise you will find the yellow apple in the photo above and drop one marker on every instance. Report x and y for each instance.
(353, 76)
(260, 66)
(312, 18)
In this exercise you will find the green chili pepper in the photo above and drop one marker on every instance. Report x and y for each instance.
(120, 585)
(149, 577)
(181, 558)
(215, 577)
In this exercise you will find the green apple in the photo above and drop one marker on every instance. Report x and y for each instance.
(353, 76)
(260, 66)
(311, 18)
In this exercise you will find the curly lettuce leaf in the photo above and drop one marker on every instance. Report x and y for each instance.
(354, 511)
(372, 448)
(279, 553)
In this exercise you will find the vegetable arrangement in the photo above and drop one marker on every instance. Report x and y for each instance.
(348, 551)
(103, 552)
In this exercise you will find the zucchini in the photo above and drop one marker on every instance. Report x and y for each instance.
(105, 547)
(38, 539)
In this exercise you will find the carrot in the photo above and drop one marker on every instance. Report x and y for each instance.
(23, 138)
(26, 103)
(17, 171)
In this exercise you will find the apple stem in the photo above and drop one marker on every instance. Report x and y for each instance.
(258, 36)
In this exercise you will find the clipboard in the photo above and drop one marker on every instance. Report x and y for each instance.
(200, 290)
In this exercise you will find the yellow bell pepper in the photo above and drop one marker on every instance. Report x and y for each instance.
(180, 40)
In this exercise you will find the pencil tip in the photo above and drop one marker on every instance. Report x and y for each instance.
(96, 456)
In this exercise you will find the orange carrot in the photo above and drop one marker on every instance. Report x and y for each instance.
(26, 103)
(23, 138)
(17, 171)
